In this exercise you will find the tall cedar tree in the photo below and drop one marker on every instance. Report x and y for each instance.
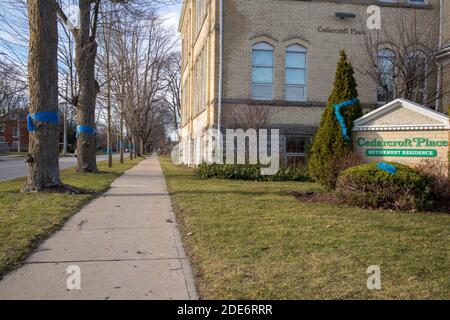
(329, 145)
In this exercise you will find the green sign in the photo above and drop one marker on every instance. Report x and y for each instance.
(415, 147)
(407, 142)
(425, 153)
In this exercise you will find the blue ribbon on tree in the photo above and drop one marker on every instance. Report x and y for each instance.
(85, 129)
(46, 117)
(386, 167)
(340, 118)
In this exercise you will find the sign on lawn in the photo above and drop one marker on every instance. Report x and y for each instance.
(402, 131)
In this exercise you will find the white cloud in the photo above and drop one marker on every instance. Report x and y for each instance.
(171, 16)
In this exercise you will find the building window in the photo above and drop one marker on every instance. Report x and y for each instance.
(262, 71)
(15, 132)
(201, 8)
(200, 83)
(295, 87)
(2, 128)
(386, 69)
(2, 140)
(185, 103)
(296, 149)
(417, 74)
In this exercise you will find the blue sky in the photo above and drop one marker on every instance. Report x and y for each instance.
(171, 13)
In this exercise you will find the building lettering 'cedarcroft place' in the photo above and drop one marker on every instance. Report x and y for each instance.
(271, 63)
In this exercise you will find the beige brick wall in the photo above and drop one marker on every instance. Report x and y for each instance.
(283, 22)
(279, 114)
(438, 135)
(446, 86)
(401, 116)
(280, 23)
(446, 62)
(193, 44)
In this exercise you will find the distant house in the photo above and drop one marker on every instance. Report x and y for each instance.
(13, 132)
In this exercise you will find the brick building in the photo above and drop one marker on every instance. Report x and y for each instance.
(278, 58)
(13, 130)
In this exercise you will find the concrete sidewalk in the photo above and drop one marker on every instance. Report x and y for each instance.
(126, 244)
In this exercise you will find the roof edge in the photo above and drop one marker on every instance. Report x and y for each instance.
(438, 116)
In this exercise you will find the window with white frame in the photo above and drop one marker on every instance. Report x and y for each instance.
(2, 128)
(262, 71)
(2, 139)
(15, 132)
(295, 86)
(417, 74)
(386, 69)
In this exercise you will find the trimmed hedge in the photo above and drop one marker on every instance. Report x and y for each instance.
(369, 187)
(251, 172)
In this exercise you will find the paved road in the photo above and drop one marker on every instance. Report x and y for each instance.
(12, 167)
(123, 245)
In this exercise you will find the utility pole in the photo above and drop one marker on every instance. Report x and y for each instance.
(108, 109)
(65, 131)
(65, 118)
(18, 130)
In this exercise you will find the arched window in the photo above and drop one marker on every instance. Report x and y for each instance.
(386, 69)
(417, 75)
(262, 71)
(295, 86)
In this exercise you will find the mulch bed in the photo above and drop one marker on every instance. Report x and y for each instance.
(441, 207)
(317, 197)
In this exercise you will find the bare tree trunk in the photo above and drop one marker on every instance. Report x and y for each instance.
(43, 92)
(108, 76)
(86, 50)
(107, 30)
(133, 143)
(131, 149)
(141, 146)
(137, 152)
(130, 143)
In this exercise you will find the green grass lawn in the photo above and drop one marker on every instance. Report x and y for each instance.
(26, 219)
(22, 154)
(254, 240)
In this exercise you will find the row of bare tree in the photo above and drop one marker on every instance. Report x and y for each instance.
(112, 62)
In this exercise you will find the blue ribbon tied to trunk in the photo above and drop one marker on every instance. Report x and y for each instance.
(85, 129)
(44, 117)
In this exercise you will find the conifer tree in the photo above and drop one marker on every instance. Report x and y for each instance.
(330, 144)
